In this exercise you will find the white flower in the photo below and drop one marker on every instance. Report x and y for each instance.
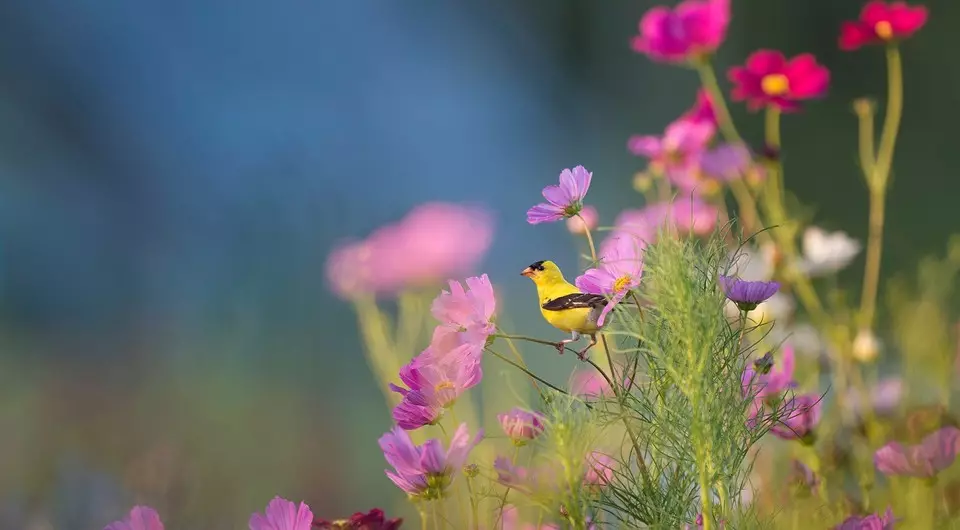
(866, 346)
(752, 264)
(824, 252)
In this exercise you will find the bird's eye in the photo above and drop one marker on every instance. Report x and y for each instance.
(537, 266)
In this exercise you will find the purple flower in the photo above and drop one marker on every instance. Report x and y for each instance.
(435, 379)
(426, 470)
(465, 315)
(599, 469)
(747, 295)
(869, 522)
(563, 201)
(521, 425)
(140, 518)
(935, 453)
(799, 416)
(621, 265)
(282, 514)
(774, 382)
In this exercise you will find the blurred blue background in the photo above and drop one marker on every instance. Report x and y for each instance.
(173, 175)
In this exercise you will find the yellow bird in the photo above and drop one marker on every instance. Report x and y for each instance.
(564, 306)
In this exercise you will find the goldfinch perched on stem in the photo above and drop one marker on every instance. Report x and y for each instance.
(564, 306)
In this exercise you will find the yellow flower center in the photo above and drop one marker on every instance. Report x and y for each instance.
(884, 30)
(775, 84)
(444, 385)
(622, 283)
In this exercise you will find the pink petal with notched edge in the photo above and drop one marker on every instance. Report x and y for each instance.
(282, 514)
(544, 213)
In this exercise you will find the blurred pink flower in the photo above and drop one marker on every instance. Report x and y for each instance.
(140, 518)
(465, 315)
(884, 397)
(434, 241)
(804, 476)
(282, 514)
(587, 221)
(799, 416)
(521, 425)
(426, 470)
(934, 454)
(881, 23)
(588, 383)
(702, 110)
(619, 271)
(778, 379)
(563, 201)
(511, 521)
(869, 522)
(678, 150)
(769, 79)
(435, 380)
(686, 215)
(711, 169)
(599, 469)
(687, 32)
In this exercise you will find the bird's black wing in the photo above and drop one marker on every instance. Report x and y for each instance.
(575, 300)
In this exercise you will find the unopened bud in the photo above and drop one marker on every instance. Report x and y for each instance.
(764, 364)
(865, 346)
(471, 470)
(563, 511)
(864, 106)
(642, 182)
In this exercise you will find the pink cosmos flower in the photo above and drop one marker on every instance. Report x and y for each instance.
(882, 22)
(687, 215)
(799, 416)
(282, 514)
(619, 272)
(426, 470)
(689, 31)
(712, 169)
(678, 150)
(449, 240)
(769, 79)
(778, 379)
(140, 518)
(587, 220)
(563, 201)
(702, 110)
(465, 315)
(599, 469)
(435, 379)
(521, 425)
(511, 521)
(590, 384)
(869, 522)
(934, 454)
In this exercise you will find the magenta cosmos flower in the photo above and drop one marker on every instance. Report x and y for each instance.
(372, 520)
(521, 425)
(799, 415)
(747, 295)
(882, 22)
(934, 454)
(870, 522)
(621, 266)
(425, 471)
(465, 315)
(678, 150)
(702, 110)
(435, 379)
(563, 201)
(449, 240)
(140, 518)
(282, 514)
(770, 80)
(687, 32)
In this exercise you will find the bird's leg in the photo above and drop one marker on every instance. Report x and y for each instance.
(582, 354)
(562, 345)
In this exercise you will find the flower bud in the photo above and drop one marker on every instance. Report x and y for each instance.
(521, 425)
(471, 470)
(865, 346)
(642, 182)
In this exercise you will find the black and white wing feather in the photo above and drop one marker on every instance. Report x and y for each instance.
(574, 301)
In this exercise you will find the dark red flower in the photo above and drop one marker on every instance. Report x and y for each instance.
(881, 22)
(769, 79)
(372, 520)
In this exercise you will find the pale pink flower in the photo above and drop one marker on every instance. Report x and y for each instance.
(588, 383)
(282, 514)
(140, 518)
(435, 379)
(468, 313)
(686, 215)
(687, 32)
(521, 425)
(678, 150)
(934, 454)
(564, 200)
(587, 220)
(599, 469)
(426, 470)
(619, 271)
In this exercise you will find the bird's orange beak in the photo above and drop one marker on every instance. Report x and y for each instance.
(528, 272)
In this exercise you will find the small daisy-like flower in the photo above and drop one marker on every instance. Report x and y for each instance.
(687, 32)
(881, 22)
(140, 518)
(747, 295)
(770, 80)
(282, 514)
(869, 522)
(521, 425)
(934, 454)
(564, 200)
(621, 266)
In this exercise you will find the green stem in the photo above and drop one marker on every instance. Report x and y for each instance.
(503, 500)
(709, 80)
(528, 339)
(423, 516)
(586, 230)
(528, 372)
(474, 510)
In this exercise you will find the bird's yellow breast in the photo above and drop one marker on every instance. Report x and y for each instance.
(579, 319)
